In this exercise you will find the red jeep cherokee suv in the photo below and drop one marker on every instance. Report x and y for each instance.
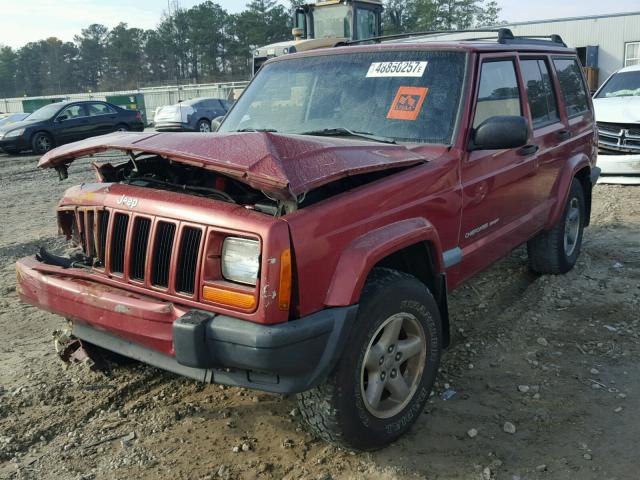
(308, 247)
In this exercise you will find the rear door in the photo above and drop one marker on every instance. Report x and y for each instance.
(499, 191)
(550, 132)
(102, 117)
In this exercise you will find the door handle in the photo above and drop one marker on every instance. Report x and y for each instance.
(528, 150)
(564, 135)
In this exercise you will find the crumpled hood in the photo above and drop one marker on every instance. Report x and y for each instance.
(284, 165)
(617, 109)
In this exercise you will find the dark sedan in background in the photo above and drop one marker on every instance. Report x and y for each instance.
(65, 122)
(193, 115)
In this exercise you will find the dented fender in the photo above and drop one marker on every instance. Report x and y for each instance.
(357, 260)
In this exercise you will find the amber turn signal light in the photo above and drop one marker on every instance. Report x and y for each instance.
(220, 296)
(284, 292)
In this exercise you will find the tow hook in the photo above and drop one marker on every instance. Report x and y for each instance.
(71, 350)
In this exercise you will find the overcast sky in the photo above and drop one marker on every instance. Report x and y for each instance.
(23, 21)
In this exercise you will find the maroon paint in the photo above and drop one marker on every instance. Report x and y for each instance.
(335, 243)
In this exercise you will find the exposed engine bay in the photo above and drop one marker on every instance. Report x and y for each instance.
(152, 171)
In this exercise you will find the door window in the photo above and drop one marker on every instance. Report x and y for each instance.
(572, 86)
(367, 24)
(542, 98)
(73, 111)
(499, 93)
(96, 109)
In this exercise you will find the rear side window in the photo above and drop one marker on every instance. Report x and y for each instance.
(96, 109)
(499, 92)
(542, 98)
(572, 86)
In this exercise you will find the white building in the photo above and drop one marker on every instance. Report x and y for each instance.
(606, 42)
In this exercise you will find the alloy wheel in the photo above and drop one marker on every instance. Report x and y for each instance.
(44, 144)
(572, 227)
(393, 365)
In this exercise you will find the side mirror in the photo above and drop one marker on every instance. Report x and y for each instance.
(61, 118)
(497, 133)
(215, 123)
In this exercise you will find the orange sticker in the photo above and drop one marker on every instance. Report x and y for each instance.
(408, 103)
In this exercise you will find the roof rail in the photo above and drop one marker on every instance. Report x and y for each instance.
(505, 36)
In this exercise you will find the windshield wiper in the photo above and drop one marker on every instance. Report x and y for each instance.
(270, 130)
(341, 131)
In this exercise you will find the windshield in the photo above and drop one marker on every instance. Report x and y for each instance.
(332, 21)
(407, 96)
(625, 84)
(44, 113)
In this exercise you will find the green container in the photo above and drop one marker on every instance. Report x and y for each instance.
(133, 101)
(30, 106)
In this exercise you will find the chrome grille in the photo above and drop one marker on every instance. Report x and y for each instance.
(618, 137)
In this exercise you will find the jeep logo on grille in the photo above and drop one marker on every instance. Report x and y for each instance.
(128, 201)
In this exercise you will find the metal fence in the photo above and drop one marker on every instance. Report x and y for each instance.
(154, 97)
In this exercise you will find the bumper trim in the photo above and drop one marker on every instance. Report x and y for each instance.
(287, 366)
(297, 354)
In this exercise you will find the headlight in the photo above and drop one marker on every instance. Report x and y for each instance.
(14, 133)
(241, 260)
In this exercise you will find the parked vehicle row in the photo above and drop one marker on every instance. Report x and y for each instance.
(65, 122)
(195, 115)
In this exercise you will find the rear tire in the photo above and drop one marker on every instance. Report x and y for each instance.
(121, 128)
(42, 143)
(384, 378)
(556, 251)
(204, 126)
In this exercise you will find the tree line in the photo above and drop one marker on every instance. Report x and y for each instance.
(204, 43)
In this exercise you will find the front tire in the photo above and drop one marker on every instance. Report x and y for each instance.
(556, 251)
(384, 378)
(42, 143)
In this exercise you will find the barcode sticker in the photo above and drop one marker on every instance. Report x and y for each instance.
(397, 69)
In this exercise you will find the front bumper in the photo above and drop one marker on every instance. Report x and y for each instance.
(620, 168)
(14, 143)
(284, 358)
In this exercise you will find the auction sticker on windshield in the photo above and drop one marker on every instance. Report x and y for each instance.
(407, 103)
(397, 69)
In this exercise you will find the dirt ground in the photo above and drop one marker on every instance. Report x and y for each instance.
(557, 357)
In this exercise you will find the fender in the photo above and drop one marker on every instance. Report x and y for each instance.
(563, 185)
(364, 252)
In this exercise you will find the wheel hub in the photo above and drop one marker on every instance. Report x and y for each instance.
(393, 365)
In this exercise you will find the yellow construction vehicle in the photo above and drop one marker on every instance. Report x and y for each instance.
(326, 23)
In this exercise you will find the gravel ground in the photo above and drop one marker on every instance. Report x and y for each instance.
(543, 378)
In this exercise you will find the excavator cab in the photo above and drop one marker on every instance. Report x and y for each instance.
(326, 23)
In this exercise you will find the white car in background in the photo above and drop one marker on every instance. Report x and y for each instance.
(617, 106)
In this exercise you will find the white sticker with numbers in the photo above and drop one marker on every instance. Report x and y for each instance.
(397, 69)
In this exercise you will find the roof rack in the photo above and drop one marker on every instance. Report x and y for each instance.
(505, 36)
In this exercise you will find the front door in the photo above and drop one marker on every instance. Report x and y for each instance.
(72, 124)
(498, 185)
